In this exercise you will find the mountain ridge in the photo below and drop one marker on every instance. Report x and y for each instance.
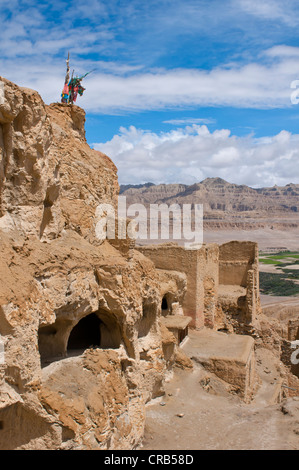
(220, 197)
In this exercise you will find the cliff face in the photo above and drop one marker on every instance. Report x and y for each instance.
(78, 317)
(50, 179)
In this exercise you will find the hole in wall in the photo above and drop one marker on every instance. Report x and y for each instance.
(164, 305)
(86, 333)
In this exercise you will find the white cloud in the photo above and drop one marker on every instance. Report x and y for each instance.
(283, 51)
(188, 155)
(34, 40)
(249, 86)
(284, 12)
(185, 121)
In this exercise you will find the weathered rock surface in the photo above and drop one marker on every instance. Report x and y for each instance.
(50, 179)
(63, 385)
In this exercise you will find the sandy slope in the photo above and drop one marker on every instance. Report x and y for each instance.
(215, 420)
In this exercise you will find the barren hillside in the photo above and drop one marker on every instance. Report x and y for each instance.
(221, 198)
(269, 216)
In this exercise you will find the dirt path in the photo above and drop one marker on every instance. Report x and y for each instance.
(190, 418)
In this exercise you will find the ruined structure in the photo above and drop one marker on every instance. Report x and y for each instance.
(222, 282)
(91, 328)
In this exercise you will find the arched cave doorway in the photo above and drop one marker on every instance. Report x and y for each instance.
(86, 333)
(100, 329)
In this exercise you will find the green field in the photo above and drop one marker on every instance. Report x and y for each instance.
(280, 283)
(277, 284)
(269, 261)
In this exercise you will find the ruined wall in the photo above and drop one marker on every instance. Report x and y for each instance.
(239, 298)
(232, 359)
(55, 275)
(201, 270)
(235, 260)
(222, 282)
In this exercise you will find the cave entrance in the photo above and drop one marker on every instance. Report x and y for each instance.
(86, 333)
(166, 304)
(99, 330)
(65, 337)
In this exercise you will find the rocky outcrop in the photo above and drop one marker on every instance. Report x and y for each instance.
(50, 179)
(79, 317)
(84, 341)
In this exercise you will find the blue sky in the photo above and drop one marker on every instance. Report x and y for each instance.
(182, 89)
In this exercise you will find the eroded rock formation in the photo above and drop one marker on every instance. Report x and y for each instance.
(79, 318)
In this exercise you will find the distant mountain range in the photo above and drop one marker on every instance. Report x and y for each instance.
(220, 198)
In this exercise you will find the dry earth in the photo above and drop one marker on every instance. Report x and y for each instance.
(194, 417)
(56, 274)
(266, 238)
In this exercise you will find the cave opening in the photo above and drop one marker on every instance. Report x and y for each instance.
(100, 329)
(164, 305)
(87, 333)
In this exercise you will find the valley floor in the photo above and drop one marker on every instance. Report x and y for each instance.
(265, 237)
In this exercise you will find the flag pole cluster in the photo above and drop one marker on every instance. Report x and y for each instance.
(72, 86)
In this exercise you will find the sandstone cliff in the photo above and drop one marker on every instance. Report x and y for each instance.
(50, 179)
(60, 389)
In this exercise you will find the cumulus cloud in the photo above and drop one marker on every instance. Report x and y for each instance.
(250, 86)
(283, 51)
(192, 153)
(129, 89)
